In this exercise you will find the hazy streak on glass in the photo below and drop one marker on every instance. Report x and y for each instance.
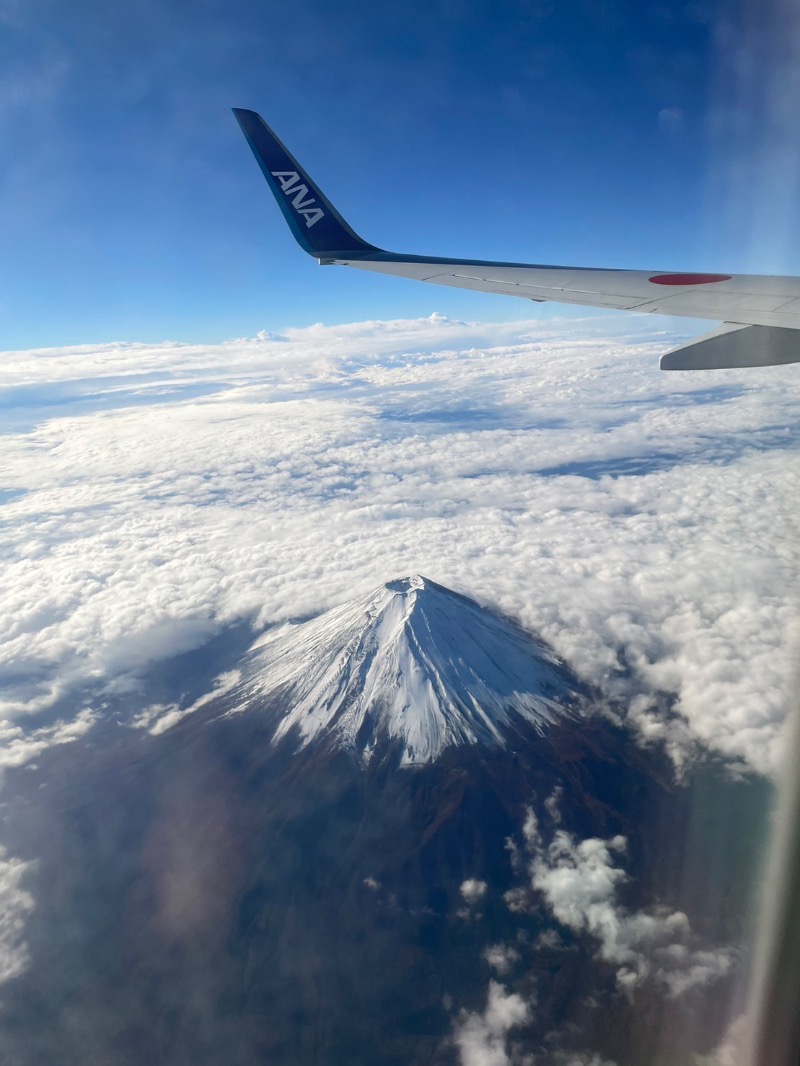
(774, 1038)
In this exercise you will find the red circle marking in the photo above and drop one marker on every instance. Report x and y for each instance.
(688, 279)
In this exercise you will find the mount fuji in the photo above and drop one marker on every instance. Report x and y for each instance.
(403, 821)
(412, 664)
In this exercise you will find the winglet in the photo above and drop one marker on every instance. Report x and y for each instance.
(316, 224)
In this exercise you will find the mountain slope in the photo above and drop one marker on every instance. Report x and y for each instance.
(412, 663)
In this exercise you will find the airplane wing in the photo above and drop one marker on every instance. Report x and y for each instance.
(761, 313)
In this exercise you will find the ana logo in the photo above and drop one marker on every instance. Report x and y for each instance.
(297, 194)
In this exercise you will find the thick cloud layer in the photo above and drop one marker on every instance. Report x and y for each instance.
(641, 522)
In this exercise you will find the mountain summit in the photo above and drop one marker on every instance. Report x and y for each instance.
(412, 663)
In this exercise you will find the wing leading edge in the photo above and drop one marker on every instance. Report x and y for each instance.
(761, 312)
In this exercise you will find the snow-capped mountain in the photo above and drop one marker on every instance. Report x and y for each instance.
(282, 901)
(412, 663)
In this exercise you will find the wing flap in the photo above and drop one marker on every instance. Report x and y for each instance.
(734, 346)
(527, 291)
(720, 304)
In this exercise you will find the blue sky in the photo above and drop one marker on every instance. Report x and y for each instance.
(599, 132)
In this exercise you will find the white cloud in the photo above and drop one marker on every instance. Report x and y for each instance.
(158, 718)
(481, 1039)
(549, 940)
(501, 957)
(530, 829)
(18, 745)
(154, 494)
(473, 890)
(579, 881)
(518, 900)
(552, 802)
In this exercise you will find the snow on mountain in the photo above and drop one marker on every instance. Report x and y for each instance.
(412, 662)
